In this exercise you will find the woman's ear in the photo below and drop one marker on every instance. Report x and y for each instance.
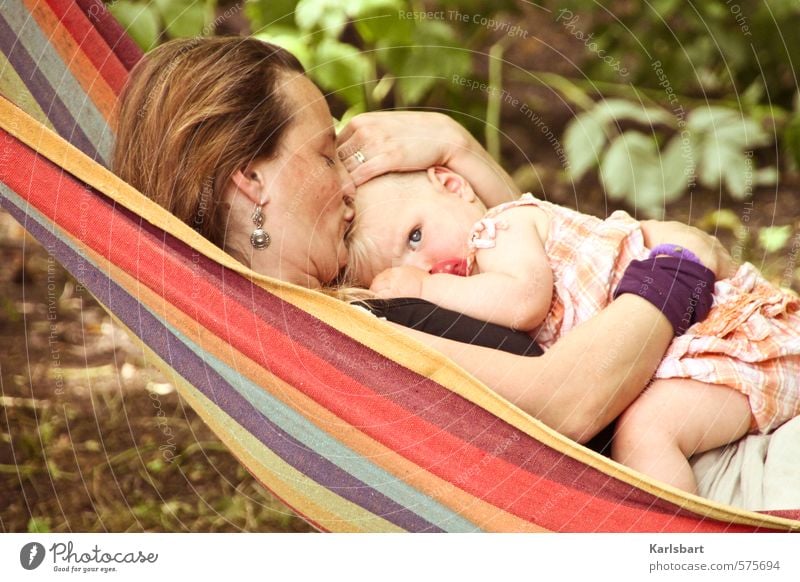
(249, 181)
(449, 181)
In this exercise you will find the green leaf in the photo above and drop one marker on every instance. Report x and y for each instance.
(364, 8)
(155, 466)
(625, 164)
(724, 218)
(753, 94)
(614, 110)
(711, 118)
(182, 18)
(583, 140)
(340, 68)
(295, 44)
(386, 29)
(714, 157)
(329, 16)
(39, 525)
(268, 13)
(140, 21)
(616, 172)
(745, 133)
(774, 238)
(434, 55)
(382, 88)
(766, 176)
(676, 163)
(665, 8)
(738, 175)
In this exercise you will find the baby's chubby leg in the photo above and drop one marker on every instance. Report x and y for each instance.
(674, 419)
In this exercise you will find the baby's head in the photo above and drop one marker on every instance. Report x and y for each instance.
(410, 219)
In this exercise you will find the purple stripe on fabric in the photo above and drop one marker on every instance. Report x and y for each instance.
(192, 367)
(42, 92)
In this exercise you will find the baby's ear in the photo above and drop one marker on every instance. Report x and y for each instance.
(451, 182)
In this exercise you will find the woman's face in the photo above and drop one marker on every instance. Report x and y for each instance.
(309, 191)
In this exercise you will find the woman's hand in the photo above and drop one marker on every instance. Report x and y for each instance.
(707, 247)
(401, 141)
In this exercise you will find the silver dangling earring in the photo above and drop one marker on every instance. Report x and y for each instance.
(260, 238)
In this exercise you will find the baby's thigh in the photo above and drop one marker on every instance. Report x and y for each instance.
(695, 415)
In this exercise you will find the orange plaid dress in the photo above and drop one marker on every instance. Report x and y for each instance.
(750, 340)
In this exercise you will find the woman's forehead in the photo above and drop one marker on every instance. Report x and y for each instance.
(310, 111)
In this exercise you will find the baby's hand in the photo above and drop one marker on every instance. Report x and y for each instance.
(399, 282)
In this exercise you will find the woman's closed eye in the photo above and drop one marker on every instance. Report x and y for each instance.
(415, 239)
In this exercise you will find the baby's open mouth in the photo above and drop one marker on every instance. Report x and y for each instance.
(451, 267)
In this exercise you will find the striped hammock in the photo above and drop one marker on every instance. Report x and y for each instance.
(352, 424)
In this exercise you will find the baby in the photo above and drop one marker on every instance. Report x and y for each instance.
(544, 269)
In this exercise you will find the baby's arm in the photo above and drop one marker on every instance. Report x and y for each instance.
(514, 287)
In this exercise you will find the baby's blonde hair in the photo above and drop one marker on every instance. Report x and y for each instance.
(359, 247)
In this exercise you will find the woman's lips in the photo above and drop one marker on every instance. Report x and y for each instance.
(451, 267)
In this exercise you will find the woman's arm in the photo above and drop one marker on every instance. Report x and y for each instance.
(583, 382)
(415, 140)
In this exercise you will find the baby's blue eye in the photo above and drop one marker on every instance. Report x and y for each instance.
(415, 238)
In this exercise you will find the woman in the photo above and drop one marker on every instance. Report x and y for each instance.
(233, 138)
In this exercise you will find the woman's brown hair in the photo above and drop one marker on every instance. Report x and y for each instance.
(192, 113)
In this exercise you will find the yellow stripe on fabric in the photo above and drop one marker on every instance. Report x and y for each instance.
(483, 514)
(362, 327)
(303, 494)
(13, 88)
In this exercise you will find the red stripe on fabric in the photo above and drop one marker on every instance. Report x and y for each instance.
(532, 497)
(82, 69)
(127, 51)
(90, 42)
(787, 513)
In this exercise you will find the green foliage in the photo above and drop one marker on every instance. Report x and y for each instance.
(140, 20)
(740, 55)
(771, 239)
(148, 21)
(39, 525)
(731, 48)
(713, 144)
(370, 54)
